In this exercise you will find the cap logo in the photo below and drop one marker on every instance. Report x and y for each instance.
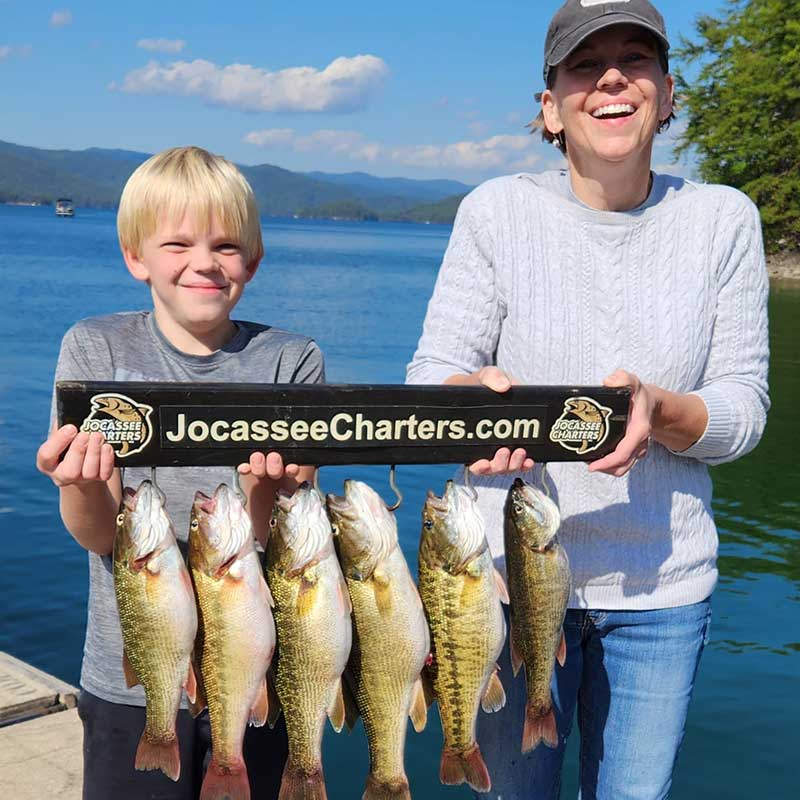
(590, 3)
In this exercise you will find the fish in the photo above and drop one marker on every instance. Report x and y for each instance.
(158, 619)
(391, 642)
(462, 594)
(539, 587)
(236, 636)
(312, 618)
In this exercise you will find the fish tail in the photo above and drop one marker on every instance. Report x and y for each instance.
(540, 726)
(163, 755)
(394, 790)
(226, 781)
(465, 766)
(297, 784)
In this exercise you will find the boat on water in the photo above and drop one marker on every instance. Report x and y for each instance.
(65, 207)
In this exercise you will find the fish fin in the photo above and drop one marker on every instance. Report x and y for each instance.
(466, 766)
(299, 785)
(127, 668)
(306, 597)
(273, 702)
(336, 712)
(516, 659)
(345, 605)
(267, 594)
(351, 712)
(502, 589)
(494, 697)
(396, 790)
(159, 755)
(561, 655)
(383, 597)
(190, 685)
(427, 686)
(226, 782)
(419, 708)
(260, 710)
(539, 728)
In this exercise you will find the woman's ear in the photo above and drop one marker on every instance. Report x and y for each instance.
(552, 119)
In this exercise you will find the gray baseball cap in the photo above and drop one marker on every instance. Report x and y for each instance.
(577, 19)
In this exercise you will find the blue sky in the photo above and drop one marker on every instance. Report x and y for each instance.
(417, 89)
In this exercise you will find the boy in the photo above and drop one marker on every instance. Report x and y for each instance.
(188, 227)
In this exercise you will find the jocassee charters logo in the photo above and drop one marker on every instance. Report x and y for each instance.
(582, 426)
(124, 422)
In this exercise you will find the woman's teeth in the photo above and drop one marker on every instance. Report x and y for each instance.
(613, 110)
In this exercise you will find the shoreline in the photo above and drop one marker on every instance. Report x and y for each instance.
(784, 266)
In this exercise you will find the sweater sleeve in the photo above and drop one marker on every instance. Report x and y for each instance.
(734, 382)
(464, 316)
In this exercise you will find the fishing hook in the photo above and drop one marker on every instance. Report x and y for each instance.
(468, 483)
(237, 487)
(397, 492)
(545, 484)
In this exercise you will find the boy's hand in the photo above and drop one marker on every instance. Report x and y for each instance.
(268, 465)
(88, 457)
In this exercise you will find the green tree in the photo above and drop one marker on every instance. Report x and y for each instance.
(743, 108)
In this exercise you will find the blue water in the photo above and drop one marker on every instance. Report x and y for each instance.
(361, 291)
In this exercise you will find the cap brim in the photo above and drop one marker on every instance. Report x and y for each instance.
(565, 47)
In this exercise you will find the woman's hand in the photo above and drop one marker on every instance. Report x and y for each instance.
(268, 465)
(636, 441)
(504, 460)
(89, 458)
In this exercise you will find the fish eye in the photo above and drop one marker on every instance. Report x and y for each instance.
(273, 522)
(427, 524)
(335, 529)
(194, 525)
(120, 519)
(517, 508)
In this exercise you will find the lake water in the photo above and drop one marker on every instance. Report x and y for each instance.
(361, 291)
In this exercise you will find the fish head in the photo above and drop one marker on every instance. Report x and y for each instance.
(453, 527)
(142, 522)
(219, 531)
(299, 528)
(533, 514)
(365, 529)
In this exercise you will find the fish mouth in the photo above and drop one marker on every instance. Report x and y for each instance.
(436, 503)
(339, 506)
(205, 503)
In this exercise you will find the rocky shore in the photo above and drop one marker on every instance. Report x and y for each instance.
(784, 266)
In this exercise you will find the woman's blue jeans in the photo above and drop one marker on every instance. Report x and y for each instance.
(629, 675)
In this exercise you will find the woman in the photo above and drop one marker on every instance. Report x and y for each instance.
(562, 278)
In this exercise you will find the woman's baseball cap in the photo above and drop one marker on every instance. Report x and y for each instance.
(577, 19)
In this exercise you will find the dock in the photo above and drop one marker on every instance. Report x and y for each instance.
(40, 734)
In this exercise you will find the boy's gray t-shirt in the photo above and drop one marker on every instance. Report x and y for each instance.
(130, 347)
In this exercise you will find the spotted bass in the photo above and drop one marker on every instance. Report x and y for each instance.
(158, 619)
(312, 617)
(236, 637)
(539, 586)
(462, 593)
(390, 635)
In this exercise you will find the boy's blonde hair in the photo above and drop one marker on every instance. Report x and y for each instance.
(189, 179)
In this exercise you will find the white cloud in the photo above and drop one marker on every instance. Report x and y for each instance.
(10, 50)
(495, 154)
(59, 19)
(348, 144)
(346, 84)
(162, 45)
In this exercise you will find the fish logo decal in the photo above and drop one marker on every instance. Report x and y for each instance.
(124, 422)
(582, 426)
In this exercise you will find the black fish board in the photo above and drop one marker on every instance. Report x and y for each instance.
(177, 424)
